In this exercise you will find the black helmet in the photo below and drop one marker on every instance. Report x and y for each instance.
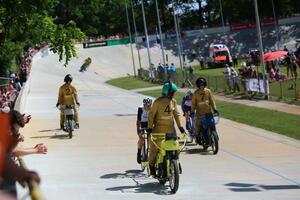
(68, 78)
(201, 82)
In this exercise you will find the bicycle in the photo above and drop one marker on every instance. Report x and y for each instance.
(69, 122)
(167, 163)
(190, 126)
(144, 152)
(208, 136)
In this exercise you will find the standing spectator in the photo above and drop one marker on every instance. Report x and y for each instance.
(227, 75)
(201, 61)
(191, 72)
(235, 60)
(173, 72)
(234, 79)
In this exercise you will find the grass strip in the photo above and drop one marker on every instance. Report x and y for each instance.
(130, 83)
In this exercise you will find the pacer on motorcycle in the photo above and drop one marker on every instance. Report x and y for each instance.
(161, 119)
(67, 95)
(203, 103)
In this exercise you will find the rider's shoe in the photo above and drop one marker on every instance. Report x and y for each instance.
(62, 127)
(153, 171)
(138, 158)
(76, 126)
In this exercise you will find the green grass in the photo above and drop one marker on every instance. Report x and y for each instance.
(130, 82)
(275, 121)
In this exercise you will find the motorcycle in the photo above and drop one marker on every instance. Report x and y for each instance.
(208, 136)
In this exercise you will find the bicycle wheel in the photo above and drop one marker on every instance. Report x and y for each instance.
(143, 157)
(174, 176)
(214, 142)
(70, 128)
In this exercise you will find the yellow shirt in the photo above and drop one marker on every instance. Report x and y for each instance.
(67, 95)
(203, 101)
(162, 114)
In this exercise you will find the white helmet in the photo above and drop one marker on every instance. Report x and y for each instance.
(147, 101)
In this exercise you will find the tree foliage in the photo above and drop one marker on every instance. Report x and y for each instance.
(25, 23)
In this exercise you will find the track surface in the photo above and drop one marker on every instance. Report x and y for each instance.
(100, 161)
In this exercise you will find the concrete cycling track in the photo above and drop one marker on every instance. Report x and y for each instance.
(99, 162)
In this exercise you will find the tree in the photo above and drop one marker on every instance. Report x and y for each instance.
(25, 23)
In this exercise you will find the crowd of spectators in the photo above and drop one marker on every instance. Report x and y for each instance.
(105, 38)
(14, 81)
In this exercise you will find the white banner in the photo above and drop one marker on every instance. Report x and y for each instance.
(253, 86)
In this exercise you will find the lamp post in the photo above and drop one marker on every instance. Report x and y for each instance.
(146, 34)
(135, 35)
(222, 17)
(178, 41)
(276, 26)
(130, 39)
(266, 89)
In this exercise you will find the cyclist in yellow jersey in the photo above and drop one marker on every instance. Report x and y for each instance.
(67, 95)
(161, 119)
(203, 102)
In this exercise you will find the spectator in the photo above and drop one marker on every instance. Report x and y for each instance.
(201, 61)
(235, 60)
(191, 73)
(234, 79)
(227, 75)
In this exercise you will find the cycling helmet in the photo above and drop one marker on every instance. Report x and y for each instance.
(189, 92)
(68, 78)
(147, 101)
(169, 88)
(201, 82)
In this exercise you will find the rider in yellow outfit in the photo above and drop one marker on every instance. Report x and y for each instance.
(203, 102)
(67, 95)
(161, 119)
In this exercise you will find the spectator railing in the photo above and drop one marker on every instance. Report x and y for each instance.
(33, 186)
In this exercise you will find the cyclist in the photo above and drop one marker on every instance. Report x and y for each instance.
(186, 107)
(203, 102)
(161, 119)
(67, 95)
(86, 64)
(142, 124)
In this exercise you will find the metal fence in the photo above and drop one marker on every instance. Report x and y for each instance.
(288, 89)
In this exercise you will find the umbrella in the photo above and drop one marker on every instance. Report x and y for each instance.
(274, 55)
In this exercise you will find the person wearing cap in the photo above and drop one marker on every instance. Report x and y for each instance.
(67, 95)
(202, 103)
(161, 119)
(142, 124)
(186, 107)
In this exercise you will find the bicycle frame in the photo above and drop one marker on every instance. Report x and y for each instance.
(171, 145)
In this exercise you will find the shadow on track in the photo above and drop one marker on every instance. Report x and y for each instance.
(140, 184)
(246, 187)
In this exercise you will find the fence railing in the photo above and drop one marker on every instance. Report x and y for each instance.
(287, 89)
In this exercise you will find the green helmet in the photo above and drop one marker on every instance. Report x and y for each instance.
(169, 88)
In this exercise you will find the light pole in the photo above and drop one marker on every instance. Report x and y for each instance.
(266, 89)
(276, 26)
(146, 35)
(178, 41)
(222, 17)
(160, 33)
(130, 39)
(135, 35)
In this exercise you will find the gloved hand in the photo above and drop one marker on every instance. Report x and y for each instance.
(78, 104)
(149, 130)
(215, 111)
(181, 129)
(57, 104)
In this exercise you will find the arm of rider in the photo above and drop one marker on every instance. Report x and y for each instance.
(212, 102)
(176, 114)
(151, 115)
(38, 149)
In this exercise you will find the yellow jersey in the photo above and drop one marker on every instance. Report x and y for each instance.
(162, 114)
(67, 95)
(203, 102)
